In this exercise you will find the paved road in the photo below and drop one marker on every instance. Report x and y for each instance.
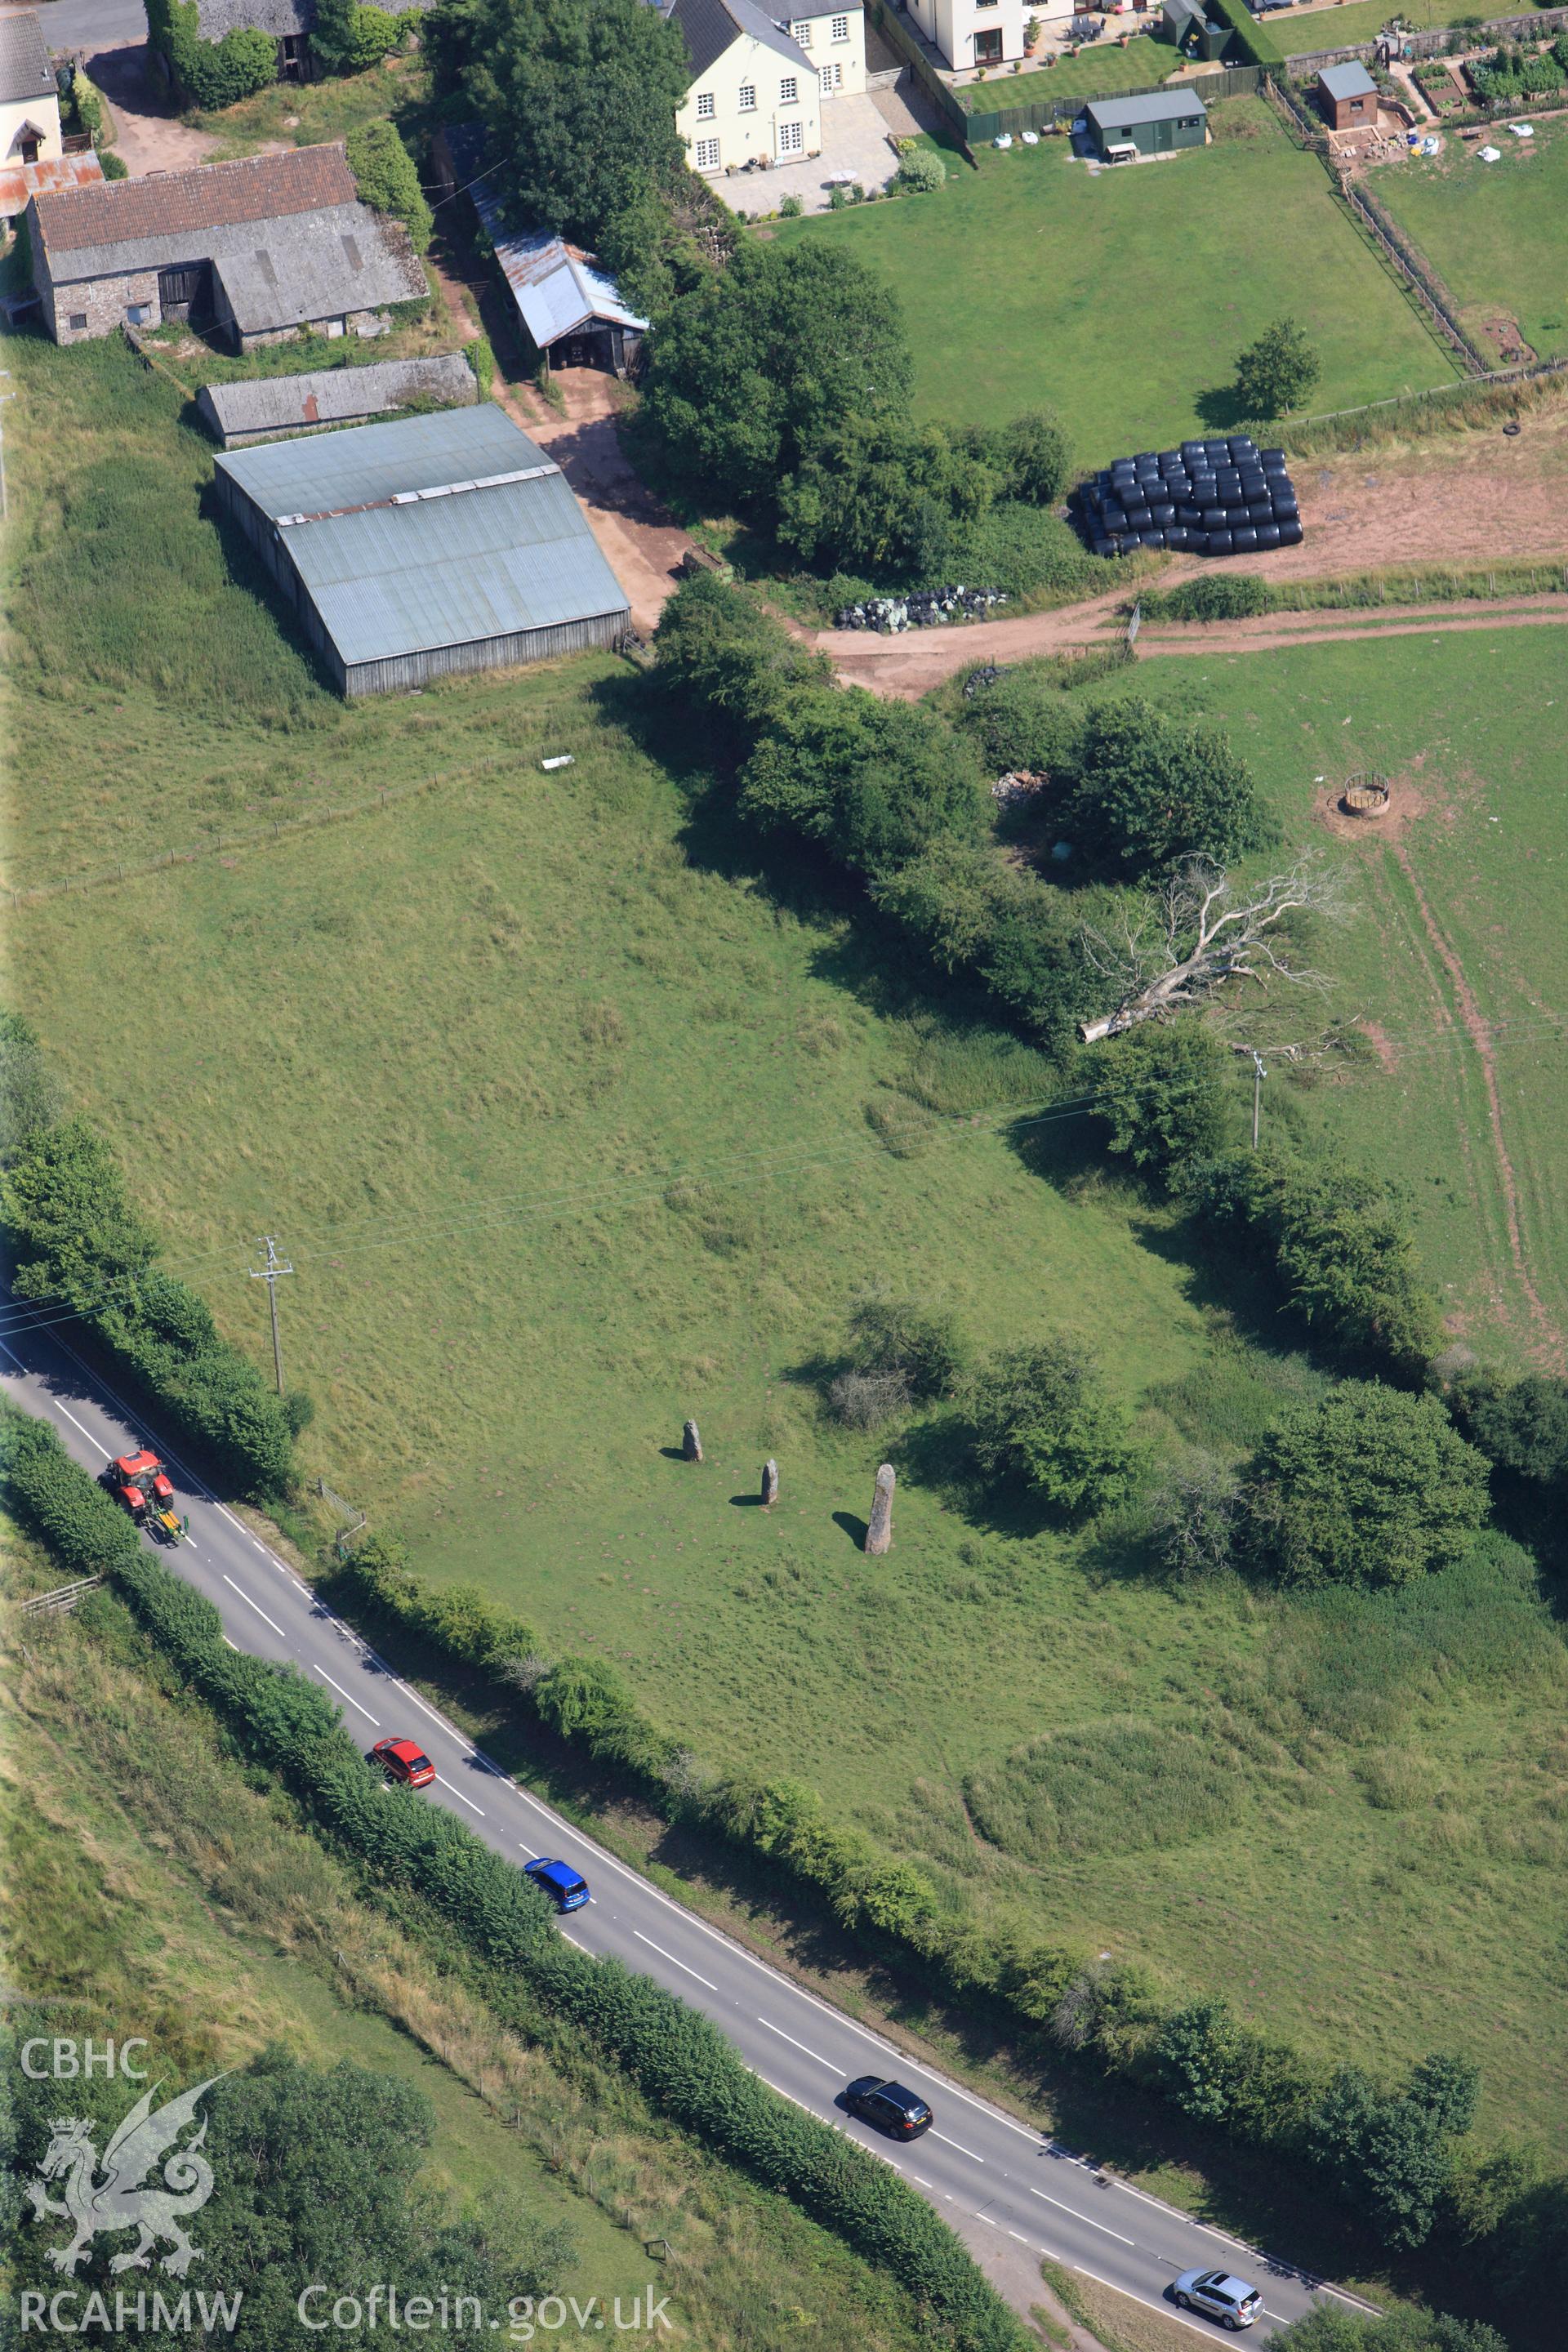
(1010, 2190)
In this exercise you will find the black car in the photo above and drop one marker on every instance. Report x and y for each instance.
(903, 2115)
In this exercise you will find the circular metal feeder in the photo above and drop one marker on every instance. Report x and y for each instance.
(1365, 795)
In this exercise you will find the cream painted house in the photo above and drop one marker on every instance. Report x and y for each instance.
(974, 32)
(759, 82)
(30, 102)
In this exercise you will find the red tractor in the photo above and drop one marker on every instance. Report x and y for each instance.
(138, 1481)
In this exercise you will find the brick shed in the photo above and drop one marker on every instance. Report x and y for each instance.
(1347, 96)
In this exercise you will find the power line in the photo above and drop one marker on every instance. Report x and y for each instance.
(520, 1209)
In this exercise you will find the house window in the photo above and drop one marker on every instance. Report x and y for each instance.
(831, 77)
(791, 138)
(79, 321)
(708, 154)
(988, 46)
(839, 28)
(1189, 122)
(789, 90)
(748, 98)
(706, 106)
(800, 32)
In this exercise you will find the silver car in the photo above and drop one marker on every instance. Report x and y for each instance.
(1218, 2295)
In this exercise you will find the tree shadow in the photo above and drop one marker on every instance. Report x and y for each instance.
(1221, 409)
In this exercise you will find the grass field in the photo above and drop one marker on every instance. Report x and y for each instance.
(1467, 727)
(308, 112)
(1122, 300)
(1493, 232)
(152, 1889)
(572, 1128)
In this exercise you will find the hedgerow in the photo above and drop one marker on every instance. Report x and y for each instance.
(386, 180)
(682, 2064)
(81, 1248)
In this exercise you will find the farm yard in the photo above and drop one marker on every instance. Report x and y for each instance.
(574, 1124)
(1122, 300)
(1494, 232)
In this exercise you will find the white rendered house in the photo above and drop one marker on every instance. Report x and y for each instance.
(974, 32)
(759, 82)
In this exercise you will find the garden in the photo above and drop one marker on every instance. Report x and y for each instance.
(1493, 231)
(1122, 300)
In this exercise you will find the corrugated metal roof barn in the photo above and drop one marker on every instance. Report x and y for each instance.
(428, 545)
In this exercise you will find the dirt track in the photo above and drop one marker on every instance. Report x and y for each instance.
(1466, 499)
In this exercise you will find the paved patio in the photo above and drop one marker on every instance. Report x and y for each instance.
(856, 133)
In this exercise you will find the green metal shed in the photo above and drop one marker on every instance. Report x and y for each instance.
(1157, 123)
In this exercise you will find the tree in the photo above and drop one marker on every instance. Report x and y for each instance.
(893, 1335)
(1193, 1519)
(1179, 947)
(1277, 371)
(1390, 2153)
(1154, 793)
(754, 368)
(1367, 1486)
(1335, 2328)
(1037, 1415)
(872, 780)
(716, 646)
(1108, 2009)
(1217, 2070)
(321, 2174)
(1032, 456)
(880, 494)
(1024, 720)
(1162, 1096)
(578, 97)
(1521, 1424)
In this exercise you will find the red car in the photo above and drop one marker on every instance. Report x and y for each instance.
(402, 1760)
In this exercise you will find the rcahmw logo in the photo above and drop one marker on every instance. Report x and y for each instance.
(100, 2195)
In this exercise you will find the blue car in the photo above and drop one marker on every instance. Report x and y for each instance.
(559, 1882)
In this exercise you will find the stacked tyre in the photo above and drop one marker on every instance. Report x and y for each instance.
(1208, 498)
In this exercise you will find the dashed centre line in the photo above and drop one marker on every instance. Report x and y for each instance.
(249, 1603)
(671, 1958)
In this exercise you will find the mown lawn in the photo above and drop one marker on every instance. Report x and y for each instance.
(573, 1123)
(1301, 32)
(1099, 71)
(1494, 231)
(1122, 300)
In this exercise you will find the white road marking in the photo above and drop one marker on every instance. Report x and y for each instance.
(968, 2152)
(671, 1958)
(580, 1947)
(1019, 2235)
(234, 1647)
(461, 1797)
(261, 1613)
(350, 1697)
(985, 2217)
(1180, 2317)
(924, 2184)
(528, 1850)
(1082, 2217)
(798, 2045)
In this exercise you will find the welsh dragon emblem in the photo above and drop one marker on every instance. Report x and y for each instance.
(118, 2200)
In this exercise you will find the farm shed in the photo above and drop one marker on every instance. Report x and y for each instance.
(1124, 130)
(572, 311)
(260, 248)
(1347, 96)
(262, 410)
(428, 545)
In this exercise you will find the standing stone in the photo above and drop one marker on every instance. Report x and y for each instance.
(880, 1534)
(770, 1485)
(690, 1443)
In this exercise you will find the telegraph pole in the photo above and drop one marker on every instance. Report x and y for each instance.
(268, 1273)
(1259, 1074)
